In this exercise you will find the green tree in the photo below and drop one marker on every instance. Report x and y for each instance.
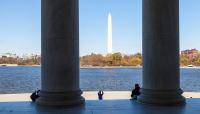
(117, 58)
(184, 60)
(136, 61)
(197, 61)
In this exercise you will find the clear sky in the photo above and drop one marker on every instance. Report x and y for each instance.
(20, 25)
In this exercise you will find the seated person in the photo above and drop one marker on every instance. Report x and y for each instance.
(135, 92)
(35, 95)
(100, 95)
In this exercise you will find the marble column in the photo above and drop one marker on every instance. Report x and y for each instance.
(60, 53)
(161, 77)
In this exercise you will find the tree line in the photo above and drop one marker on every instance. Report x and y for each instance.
(21, 61)
(115, 59)
(186, 60)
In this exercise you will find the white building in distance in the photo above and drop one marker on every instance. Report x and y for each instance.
(8, 55)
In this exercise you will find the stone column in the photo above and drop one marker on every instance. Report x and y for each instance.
(60, 53)
(161, 80)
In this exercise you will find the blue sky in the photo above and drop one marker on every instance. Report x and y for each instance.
(20, 25)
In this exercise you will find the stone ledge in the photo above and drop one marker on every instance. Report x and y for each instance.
(88, 95)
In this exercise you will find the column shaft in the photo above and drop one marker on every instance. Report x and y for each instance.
(161, 81)
(60, 53)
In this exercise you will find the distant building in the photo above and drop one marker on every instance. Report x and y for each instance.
(30, 56)
(193, 53)
(8, 55)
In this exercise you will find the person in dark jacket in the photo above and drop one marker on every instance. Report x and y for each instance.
(100, 95)
(135, 92)
(35, 95)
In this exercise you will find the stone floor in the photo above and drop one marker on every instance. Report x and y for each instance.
(101, 107)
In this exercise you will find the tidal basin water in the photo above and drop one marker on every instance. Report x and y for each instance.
(27, 79)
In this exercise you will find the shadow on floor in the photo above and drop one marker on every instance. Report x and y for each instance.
(101, 107)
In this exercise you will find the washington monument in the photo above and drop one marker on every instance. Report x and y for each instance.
(109, 51)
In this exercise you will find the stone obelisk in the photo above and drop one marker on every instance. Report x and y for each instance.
(109, 51)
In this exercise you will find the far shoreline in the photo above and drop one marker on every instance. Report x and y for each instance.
(136, 67)
(103, 67)
(108, 67)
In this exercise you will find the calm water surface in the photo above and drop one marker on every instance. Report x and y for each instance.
(27, 79)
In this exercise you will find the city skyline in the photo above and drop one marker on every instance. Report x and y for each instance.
(21, 32)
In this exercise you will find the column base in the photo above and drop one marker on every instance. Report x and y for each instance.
(60, 98)
(161, 97)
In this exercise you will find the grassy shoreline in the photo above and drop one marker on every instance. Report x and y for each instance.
(101, 67)
(110, 67)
